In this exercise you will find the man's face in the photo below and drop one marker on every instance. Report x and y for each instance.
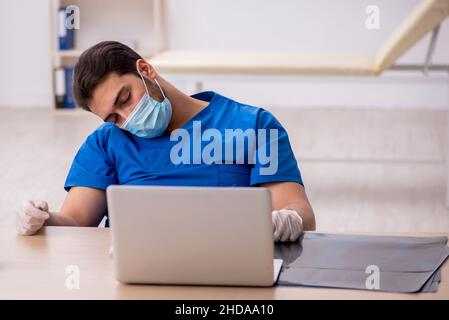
(117, 96)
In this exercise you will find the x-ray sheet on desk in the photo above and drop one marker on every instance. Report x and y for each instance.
(384, 263)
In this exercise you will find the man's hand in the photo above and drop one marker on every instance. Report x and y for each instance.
(287, 225)
(31, 217)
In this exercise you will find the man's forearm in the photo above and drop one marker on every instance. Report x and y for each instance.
(57, 219)
(306, 213)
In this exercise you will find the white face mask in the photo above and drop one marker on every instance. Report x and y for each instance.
(150, 118)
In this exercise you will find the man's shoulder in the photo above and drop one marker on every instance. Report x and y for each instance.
(241, 111)
(238, 109)
(103, 133)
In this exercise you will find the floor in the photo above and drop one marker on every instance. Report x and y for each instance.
(364, 170)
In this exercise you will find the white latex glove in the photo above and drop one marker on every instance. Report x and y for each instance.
(287, 225)
(31, 217)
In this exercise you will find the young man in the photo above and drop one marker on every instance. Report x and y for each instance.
(156, 135)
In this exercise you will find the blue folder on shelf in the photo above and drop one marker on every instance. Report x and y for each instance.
(68, 99)
(66, 35)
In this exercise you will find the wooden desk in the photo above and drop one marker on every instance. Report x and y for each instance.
(35, 268)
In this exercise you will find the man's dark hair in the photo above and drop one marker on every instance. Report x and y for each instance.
(96, 63)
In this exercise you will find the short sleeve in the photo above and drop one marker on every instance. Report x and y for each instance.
(91, 166)
(275, 161)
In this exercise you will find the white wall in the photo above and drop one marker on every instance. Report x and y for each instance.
(392, 90)
(25, 75)
(310, 26)
(291, 25)
(126, 21)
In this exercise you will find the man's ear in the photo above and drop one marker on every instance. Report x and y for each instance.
(145, 68)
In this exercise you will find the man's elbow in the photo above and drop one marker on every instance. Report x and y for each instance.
(309, 222)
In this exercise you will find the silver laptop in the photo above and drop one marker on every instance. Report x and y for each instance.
(192, 235)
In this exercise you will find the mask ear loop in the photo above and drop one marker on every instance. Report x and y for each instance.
(160, 88)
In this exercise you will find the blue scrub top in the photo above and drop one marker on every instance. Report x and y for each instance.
(111, 155)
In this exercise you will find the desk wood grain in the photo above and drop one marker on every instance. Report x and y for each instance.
(35, 268)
